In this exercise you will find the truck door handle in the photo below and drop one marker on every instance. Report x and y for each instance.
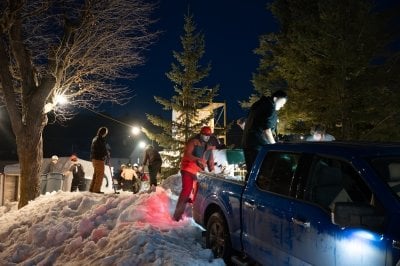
(301, 223)
(251, 204)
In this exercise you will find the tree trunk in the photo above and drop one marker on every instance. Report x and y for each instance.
(30, 154)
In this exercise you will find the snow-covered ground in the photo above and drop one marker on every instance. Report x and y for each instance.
(83, 228)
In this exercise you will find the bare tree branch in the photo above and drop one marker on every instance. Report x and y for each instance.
(78, 49)
(84, 47)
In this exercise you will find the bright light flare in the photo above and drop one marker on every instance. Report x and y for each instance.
(142, 144)
(61, 99)
(361, 247)
(135, 130)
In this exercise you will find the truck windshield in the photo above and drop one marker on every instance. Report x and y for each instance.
(388, 168)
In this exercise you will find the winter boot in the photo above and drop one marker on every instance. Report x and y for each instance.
(180, 208)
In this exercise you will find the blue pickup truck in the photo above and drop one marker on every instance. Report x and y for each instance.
(333, 203)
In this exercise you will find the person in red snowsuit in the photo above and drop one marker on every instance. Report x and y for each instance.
(196, 157)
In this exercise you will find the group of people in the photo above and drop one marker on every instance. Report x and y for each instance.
(259, 128)
(100, 155)
(75, 169)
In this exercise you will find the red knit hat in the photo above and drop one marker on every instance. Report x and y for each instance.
(206, 131)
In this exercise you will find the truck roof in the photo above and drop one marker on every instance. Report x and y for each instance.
(341, 148)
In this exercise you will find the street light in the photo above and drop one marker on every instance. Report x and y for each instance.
(142, 144)
(58, 99)
(135, 130)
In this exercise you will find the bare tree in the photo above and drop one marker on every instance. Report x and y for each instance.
(71, 48)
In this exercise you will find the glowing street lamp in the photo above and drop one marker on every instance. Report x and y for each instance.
(61, 99)
(142, 145)
(58, 99)
(135, 130)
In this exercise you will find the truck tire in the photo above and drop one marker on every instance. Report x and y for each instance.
(218, 238)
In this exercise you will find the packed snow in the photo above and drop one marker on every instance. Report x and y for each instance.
(83, 228)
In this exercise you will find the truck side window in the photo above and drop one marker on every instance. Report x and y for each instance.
(332, 180)
(277, 171)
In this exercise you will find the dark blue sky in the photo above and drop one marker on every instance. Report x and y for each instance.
(231, 29)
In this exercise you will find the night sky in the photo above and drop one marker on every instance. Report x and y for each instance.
(231, 30)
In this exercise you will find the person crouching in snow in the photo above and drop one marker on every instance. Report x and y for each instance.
(128, 174)
(196, 157)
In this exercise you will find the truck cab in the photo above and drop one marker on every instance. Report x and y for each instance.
(318, 204)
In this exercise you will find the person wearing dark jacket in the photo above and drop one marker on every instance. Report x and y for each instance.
(54, 166)
(98, 154)
(261, 125)
(153, 158)
(78, 174)
(196, 157)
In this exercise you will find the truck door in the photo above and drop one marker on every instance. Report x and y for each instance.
(314, 239)
(267, 209)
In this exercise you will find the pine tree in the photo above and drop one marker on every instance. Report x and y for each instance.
(335, 60)
(187, 76)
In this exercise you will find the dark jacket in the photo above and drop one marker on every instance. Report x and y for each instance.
(52, 168)
(98, 149)
(262, 116)
(151, 156)
(77, 171)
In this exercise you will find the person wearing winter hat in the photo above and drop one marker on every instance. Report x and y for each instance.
(78, 174)
(53, 167)
(197, 156)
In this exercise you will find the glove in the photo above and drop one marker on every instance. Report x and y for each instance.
(201, 163)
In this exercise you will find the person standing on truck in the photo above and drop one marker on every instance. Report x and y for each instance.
(98, 154)
(197, 156)
(261, 125)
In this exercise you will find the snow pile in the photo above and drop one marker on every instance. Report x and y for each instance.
(83, 228)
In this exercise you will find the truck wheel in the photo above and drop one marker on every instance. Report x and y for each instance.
(218, 238)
